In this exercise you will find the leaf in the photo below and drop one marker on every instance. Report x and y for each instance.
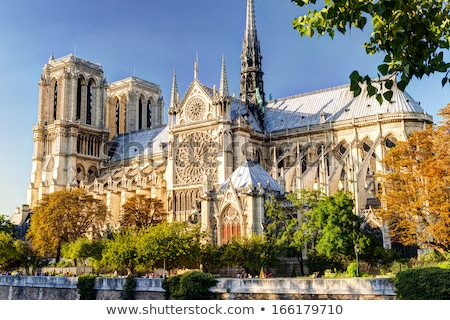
(384, 69)
(379, 98)
(388, 84)
(388, 95)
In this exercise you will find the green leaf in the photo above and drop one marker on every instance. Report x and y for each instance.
(379, 98)
(354, 76)
(388, 84)
(444, 81)
(388, 95)
(384, 69)
(402, 85)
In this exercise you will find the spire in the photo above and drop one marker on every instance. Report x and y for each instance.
(223, 86)
(250, 30)
(252, 85)
(196, 68)
(174, 94)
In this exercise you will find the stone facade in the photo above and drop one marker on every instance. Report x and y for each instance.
(218, 158)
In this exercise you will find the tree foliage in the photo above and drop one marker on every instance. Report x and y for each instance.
(284, 222)
(251, 253)
(120, 252)
(63, 217)
(13, 253)
(413, 36)
(82, 249)
(6, 225)
(141, 212)
(416, 194)
(175, 245)
(334, 228)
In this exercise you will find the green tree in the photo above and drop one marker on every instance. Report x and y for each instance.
(6, 225)
(62, 217)
(413, 35)
(252, 253)
(333, 230)
(13, 253)
(284, 222)
(120, 252)
(83, 249)
(173, 245)
(141, 212)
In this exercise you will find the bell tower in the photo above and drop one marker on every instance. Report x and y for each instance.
(70, 132)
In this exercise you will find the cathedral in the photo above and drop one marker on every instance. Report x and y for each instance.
(219, 157)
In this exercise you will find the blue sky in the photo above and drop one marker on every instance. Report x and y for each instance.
(149, 39)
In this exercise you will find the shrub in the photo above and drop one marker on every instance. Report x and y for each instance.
(129, 288)
(352, 270)
(85, 287)
(423, 284)
(192, 285)
(444, 265)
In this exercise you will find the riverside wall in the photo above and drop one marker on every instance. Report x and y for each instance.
(65, 288)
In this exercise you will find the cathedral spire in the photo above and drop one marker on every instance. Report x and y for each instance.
(174, 94)
(252, 85)
(223, 86)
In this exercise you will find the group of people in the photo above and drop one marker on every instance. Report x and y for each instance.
(248, 275)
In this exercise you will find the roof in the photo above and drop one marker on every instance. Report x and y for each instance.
(250, 173)
(130, 145)
(333, 104)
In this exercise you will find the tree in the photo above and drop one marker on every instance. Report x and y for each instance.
(120, 252)
(62, 217)
(335, 228)
(83, 249)
(251, 253)
(283, 222)
(170, 245)
(13, 253)
(6, 225)
(141, 212)
(412, 34)
(416, 194)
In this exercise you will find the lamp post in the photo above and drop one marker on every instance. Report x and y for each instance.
(357, 262)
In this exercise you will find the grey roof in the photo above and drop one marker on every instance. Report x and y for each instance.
(336, 104)
(250, 173)
(130, 145)
(238, 108)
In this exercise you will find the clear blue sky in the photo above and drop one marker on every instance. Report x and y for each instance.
(149, 39)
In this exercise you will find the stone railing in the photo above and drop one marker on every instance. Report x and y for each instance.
(52, 287)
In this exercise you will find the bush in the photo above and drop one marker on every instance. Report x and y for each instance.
(192, 285)
(352, 270)
(129, 288)
(444, 265)
(423, 284)
(85, 287)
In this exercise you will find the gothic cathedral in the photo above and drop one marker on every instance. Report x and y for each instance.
(219, 157)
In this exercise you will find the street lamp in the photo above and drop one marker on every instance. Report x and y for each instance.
(357, 262)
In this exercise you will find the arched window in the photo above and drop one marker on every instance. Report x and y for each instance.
(231, 224)
(78, 115)
(117, 116)
(89, 103)
(149, 114)
(140, 114)
(55, 100)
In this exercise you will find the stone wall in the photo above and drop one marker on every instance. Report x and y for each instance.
(65, 288)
